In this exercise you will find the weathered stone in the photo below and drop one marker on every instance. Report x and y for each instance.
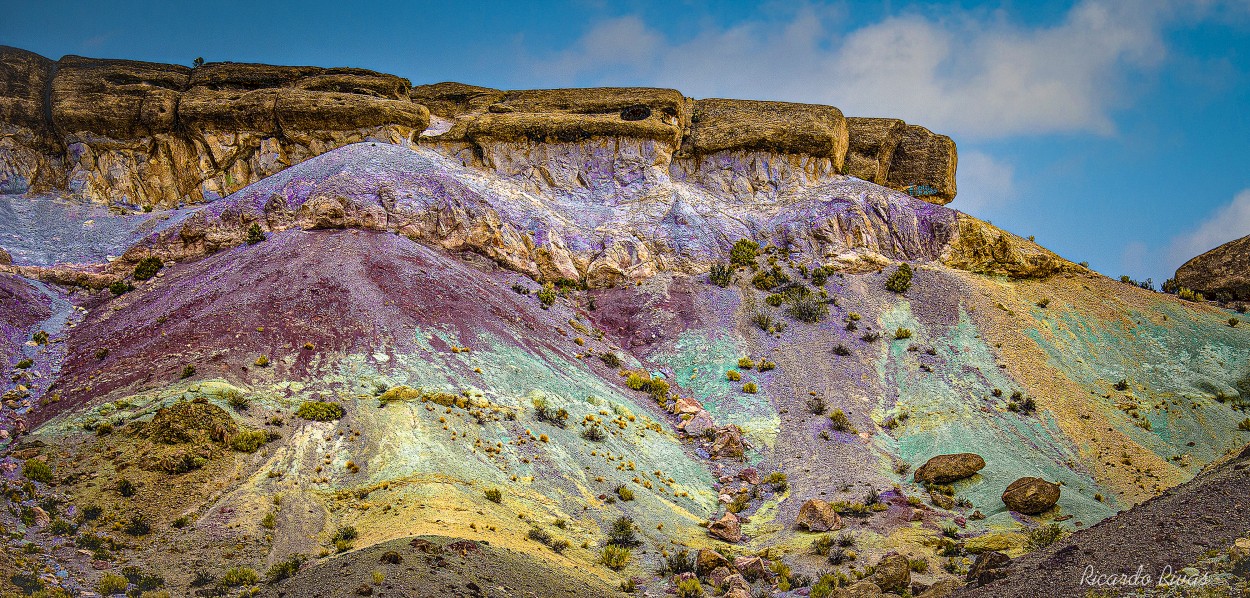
(5, 258)
(750, 475)
(750, 566)
(980, 247)
(861, 589)
(817, 515)
(1225, 269)
(941, 501)
(686, 405)
(708, 559)
(718, 576)
(698, 424)
(988, 567)
(728, 442)
(726, 528)
(944, 469)
(922, 162)
(892, 574)
(1031, 495)
(941, 589)
(737, 586)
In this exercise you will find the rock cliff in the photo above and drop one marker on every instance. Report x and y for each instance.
(1223, 270)
(137, 134)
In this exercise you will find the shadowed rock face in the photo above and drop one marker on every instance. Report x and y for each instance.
(1225, 269)
(137, 134)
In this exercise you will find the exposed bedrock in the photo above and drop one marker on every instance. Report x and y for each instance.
(137, 134)
(1223, 272)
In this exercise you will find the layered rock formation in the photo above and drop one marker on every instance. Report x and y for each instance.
(137, 134)
(1223, 270)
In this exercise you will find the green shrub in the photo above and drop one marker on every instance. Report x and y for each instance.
(816, 405)
(142, 581)
(744, 252)
(777, 480)
(820, 276)
(766, 365)
(320, 411)
(621, 532)
(765, 322)
(745, 363)
(40, 338)
(547, 295)
(624, 493)
(902, 333)
(148, 267)
(677, 563)
(1043, 536)
(1244, 426)
(254, 234)
(239, 576)
(37, 471)
(188, 371)
(841, 422)
(285, 569)
(120, 288)
(689, 588)
(594, 433)
(494, 495)
(541, 536)
(721, 275)
(343, 538)
(900, 281)
(112, 583)
(1232, 322)
(610, 359)
(733, 375)
(750, 388)
(808, 308)
(546, 413)
(248, 441)
(126, 488)
(614, 557)
(766, 280)
(918, 564)
(25, 363)
(137, 525)
(822, 545)
(262, 361)
(234, 398)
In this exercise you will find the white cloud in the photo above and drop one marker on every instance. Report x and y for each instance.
(966, 74)
(1231, 221)
(984, 183)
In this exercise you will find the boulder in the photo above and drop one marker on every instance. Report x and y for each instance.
(718, 576)
(924, 165)
(817, 515)
(1223, 270)
(751, 567)
(719, 125)
(1031, 495)
(708, 560)
(736, 586)
(944, 469)
(686, 405)
(728, 442)
(750, 475)
(893, 573)
(698, 424)
(861, 589)
(988, 566)
(941, 589)
(5, 258)
(870, 148)
(726, 528)
(941, 501)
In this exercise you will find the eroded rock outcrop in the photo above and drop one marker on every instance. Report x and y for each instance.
(1223, 270)
(910, 158)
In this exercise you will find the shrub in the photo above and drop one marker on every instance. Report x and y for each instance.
(610, 359)
(841, 350)
(822, 545)
(624, 493)
(343, 537)
(594, 433)
(188, 371)
(120, 288)
(1244, 426)
(1042, 303)
(721, 275)
(745, 363)
(320, 411)
(750, 388)
(678, 563)
(902, 333)
(101, 353)
(807, 308)
(816, 405)
(494, 495)
(37, 471)
(1121, 385)
(950, 531)
(547, 295)
(621, 532)
(918, 564)
(766, 280)
(819, 276)
(733, 375)
(143, 582)
(520, 289)
(841, 422)
(254, 234)
(262, 361)
(284, 569)
(1190, 295)
(25, 363)
(1043, 536)
(137, 525)
(870, 337)
(545, 413)
(112, 583)
(614, 557)
(777, 480)
(248, 441)
(235, 399)
(900, 281)
(148, 267)
(40, 338)
(766, 365)
(92, 512)
(739, 503)
(765, 322)
(541, 536)
(689, 588)
(239, 576)
(126, 488)
(1232, 322)
(744, 252)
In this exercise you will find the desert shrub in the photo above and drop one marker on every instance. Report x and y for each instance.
(610, 359)
(807, 308)
(744, 252)
(254, 234)
(1190, 295)
(248, 441)
(239, 576)
(1244, 426)
(745, 363)
(1122, 385)
(91, 512)
(126, 488)
(262, 361)
(181, 522)
(621, 532)
(320, 411)
(624, 493)
(1043, 536)
(111, 583)
(677, 563)
(765, 322)
(1232, 322)
(816, 405)
(269, 521)
(546, 413)
(37, 471)
(766, 365)
(1043, 302)
(188, 371)
(733, 375)
(841, 422)
(900, 280)
(494, 495)
(739, 503)
(594, 433)
(820, 276)
(40, 338)
(902, 333)
(870, 337)
(541, 536)
(689, 588)
(614, 557)
(721, 275)
(25, 363)
(766, 280)
(285, 569)
(950, 531)
(750, 388)
(822, 545)
(547, 294)
(918, 564)
(148, 267)
(343, 538)
(841, 350)
(235, 399)
(142, 581)
(872, 497)
(777, 480)
(101, 353)
(120, 288)
(520, 289)
(137, 525)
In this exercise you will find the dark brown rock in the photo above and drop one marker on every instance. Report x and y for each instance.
(944, 469)
(708, 560)
(122, 99)
(871, 147)
(1225, 269)
(988, 567)
(728, 442)
(726, 528)
(924, 159)
(23, 79)
(817, 515)
(893, 573)
(1031, 495)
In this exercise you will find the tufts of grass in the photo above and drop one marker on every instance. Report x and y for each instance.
(841, 422)
(614, 557)
(321, 411)
(285, 568)
(494, 495)
(677, 563)
(1043, 536)
(621, 533)
(239, 576)
(37, 471)
(721, 275)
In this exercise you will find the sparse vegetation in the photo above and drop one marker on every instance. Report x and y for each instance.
(677, 563)
(721, 275)
(750, 388)
(614, 557)
(249, 441)
(40, 337)
(610, 359)
(841, 422)
(320, 411)
(148, 267)
(902, 334)
(733, 375)
(254, 234)
(137, 525)
(187, 371)
(689, 588)
(25, 363)
(547, 295)
(900, 281)
(120, 288)
(1043, 536)
(816, 405)
(239, 576)
(111, 583)
(1232, 322)
(494, 495)
(621, 532)
(778, 481)
(1244, 426)
(594, 433)
(343, 538)
(624, 493)
(285, 569)
(546, 413)
(262, 361)
(37, 471)
(744, 252)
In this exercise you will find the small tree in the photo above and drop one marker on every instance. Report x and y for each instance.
(900, 281)
(198, 62)
(254, 234)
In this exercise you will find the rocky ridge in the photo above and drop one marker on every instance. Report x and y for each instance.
(138, 134)
(1223, 272)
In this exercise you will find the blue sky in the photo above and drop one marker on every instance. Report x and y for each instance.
(1115, 132)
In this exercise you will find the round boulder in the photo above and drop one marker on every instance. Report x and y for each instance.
(944, 469)
(818, 516)
(1031, 495)
(893, 574)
